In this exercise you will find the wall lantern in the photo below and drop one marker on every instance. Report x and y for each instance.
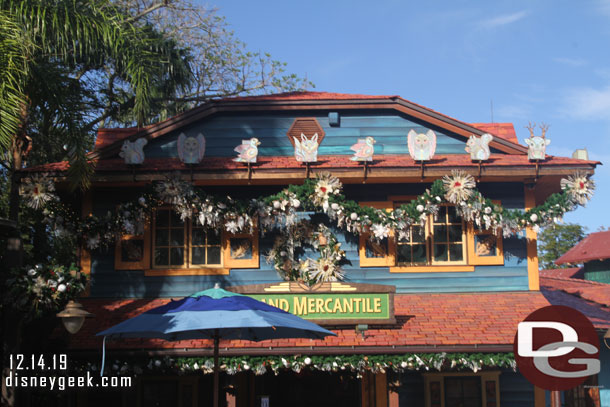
(73, 316)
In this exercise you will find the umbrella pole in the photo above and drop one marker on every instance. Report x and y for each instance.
(216, 367)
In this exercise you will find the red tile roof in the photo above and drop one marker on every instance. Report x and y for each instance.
(571, 272)
(106, 137)
(589, 297)
(422, 319)
(596, 246)
(588, 290)
(502, 130)
(324, 162)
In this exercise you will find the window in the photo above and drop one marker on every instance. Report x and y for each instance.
(462, 389)
(441, 241)
(132, 252)
(445, 243)
(171, 246)
(373, 253)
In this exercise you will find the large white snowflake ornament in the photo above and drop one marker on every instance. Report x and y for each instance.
(579, 187)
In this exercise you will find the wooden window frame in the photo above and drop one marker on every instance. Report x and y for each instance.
(186, 268)
(486, 376)
(430, 237)
(470, 259)
(150, 269)
(230, 262)
(390, 258)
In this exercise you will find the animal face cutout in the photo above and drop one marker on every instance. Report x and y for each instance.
(191, 149)
(247, 152)
(133, 152)
(478, 147)
(421, 146)
(364, 149)
(306, 150)
(536, 147)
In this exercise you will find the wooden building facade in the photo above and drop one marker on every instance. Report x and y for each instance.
(426, 320)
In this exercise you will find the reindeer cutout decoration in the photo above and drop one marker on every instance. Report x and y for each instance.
(133, 152)
(306, 150)
(478, 147)
(536, 145)
(191, 149)
(421, 146)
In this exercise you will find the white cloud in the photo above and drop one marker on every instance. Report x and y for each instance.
(587, 103)
(502, 20)
(575, 62)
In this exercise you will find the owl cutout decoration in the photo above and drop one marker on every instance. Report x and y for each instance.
(306, 150)
(191, 149)
(247, 151)
(133, 151)
(536, 145)
(478, 147)
(421, 146)
(364, 149)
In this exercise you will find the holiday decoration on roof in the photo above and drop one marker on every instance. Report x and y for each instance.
(421, 146)
(306, 150)
(247, 151)
(536, 145)
(364, 149)
(133, 152)
(579, 187)
(478, 147)
(191, 149)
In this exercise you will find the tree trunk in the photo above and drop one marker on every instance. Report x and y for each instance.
(10, 324)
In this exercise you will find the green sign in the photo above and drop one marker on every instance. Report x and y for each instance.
(331, 306)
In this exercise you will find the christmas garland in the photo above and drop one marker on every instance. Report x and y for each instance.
(326, 268)
(321, 195)
(354, 364)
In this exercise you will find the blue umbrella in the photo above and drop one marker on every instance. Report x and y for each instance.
(216, 314)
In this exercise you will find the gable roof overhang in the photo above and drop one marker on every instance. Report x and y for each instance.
(511, 165)
(308, 101)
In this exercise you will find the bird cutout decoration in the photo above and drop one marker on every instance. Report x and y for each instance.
(478, 147)
(306, 150)
(536, 145)
(133, 151)
(364, 149)
(421, 146)
(247, 151)
(191, 149)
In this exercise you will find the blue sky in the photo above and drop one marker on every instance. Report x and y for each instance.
(540, 61)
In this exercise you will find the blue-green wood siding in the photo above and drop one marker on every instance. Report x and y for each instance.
(512, 276)
(598, 270)
(224, 132)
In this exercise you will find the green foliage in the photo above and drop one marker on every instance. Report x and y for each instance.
(43, 289)
(350, 364)
(555, 240)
